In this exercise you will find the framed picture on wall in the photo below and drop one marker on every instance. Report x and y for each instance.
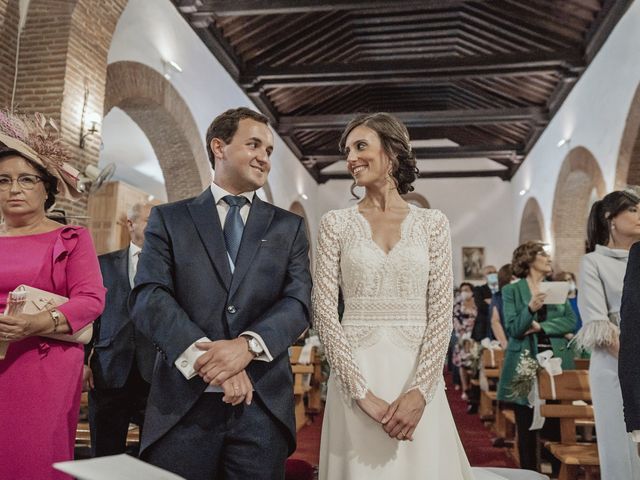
(472, 262)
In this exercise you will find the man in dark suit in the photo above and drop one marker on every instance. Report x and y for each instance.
(628, 365)
(223, 289)
(120, 358)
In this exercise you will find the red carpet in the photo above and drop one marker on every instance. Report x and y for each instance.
(475, 437)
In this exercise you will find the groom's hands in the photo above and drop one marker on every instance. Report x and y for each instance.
(222, 360)
(373, 406)
(403, 415)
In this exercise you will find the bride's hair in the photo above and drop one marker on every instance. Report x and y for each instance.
(394, 138)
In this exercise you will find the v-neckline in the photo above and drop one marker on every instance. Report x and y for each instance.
(370, 230)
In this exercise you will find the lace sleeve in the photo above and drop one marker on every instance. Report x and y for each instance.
(325, 310)
(439, 306)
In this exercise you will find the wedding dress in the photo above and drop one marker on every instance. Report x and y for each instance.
(393, 337)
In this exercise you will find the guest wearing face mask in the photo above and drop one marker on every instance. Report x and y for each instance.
(464, 318)
(482, 296)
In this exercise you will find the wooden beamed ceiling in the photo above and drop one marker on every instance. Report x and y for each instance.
(471, 79)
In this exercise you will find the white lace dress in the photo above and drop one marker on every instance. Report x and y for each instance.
(393, 337)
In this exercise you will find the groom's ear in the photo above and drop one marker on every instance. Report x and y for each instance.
(217, 148)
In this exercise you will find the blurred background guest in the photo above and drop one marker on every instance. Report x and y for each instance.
(120, 358)
(505, 277)
(570, 278)
(40, 378)
(533, 327)
(464, 317)
(614, 225)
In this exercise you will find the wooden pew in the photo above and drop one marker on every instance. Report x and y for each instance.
(491, 366)
(570, 386)
(300, 389)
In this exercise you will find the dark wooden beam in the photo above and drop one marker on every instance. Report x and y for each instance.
(226, 8)
(505, 152)
(608, 17)
(503, 174)
(289, 123)
(434, 71)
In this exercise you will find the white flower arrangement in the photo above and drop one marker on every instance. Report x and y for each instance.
(526, 373)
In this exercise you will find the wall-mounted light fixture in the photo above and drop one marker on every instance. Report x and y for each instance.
(564, 141)
(169, 66)
(523, 192)
(304, 196)
(89, 127)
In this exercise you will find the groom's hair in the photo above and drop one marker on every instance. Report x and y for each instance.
(225, 126)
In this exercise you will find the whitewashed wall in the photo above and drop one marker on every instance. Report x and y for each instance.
(152, 30)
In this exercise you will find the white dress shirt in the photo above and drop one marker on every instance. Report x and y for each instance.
(134, 256)
(186, 360)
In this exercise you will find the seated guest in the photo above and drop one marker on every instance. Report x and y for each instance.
(533, 327)
(121, 358)
(505, 276)
(40, 378)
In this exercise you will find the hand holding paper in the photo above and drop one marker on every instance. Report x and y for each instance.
(556, 292)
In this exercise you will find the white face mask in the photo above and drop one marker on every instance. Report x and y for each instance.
(466, 295)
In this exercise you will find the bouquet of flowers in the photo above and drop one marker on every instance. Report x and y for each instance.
(470, 355)
(526, 373)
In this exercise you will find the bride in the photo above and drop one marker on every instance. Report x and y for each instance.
(387, 415)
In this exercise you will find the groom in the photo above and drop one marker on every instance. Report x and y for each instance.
(222, 290)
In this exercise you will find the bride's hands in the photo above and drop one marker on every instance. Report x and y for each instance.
(373, 406)
(403, 415)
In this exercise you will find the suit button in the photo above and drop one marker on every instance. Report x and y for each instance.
(231, 309)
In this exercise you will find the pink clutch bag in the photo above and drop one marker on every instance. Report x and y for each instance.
(26, 299)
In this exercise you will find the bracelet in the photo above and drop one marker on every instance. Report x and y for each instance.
(55, 316)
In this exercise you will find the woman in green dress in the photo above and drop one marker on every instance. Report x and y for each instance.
(534, 327)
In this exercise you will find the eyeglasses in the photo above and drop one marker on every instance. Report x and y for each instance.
(26, 182)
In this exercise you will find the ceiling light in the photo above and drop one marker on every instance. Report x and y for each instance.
(169, 66)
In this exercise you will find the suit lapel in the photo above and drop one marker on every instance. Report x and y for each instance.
(259, 219)
(525, 292)
(205, 217)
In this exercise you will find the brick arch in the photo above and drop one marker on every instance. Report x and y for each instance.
(579, 178)
(162, 114)
(63, 59)
(416, 199)
(628, 167)
(532, 222)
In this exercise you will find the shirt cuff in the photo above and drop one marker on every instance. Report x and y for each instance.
(635, 436)
(185, 361)
(265, 356)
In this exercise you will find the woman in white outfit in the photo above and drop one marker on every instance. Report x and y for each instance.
(387, 415)
(614, 225)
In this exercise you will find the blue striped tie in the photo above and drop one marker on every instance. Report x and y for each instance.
(233, 225)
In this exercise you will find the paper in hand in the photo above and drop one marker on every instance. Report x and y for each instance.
(121, 467)
(557, 292)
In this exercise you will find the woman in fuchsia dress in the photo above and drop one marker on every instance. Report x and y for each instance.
(40, 378)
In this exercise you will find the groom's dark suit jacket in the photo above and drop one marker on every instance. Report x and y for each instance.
(185, 290)
(628, 365)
